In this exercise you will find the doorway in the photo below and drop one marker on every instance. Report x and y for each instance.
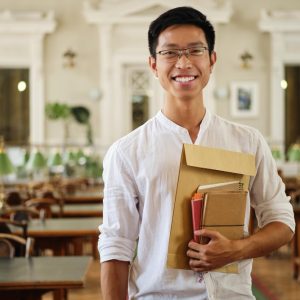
(292, 105)
(14, 106)
(137, 86)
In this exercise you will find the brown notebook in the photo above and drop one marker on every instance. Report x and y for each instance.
(224, 211)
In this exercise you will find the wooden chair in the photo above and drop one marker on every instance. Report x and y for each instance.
(21, 213)
(12, 245)
(43, 205)
(70, 186)
(6, 223)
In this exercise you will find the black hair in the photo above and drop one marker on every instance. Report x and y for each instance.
(180, 15)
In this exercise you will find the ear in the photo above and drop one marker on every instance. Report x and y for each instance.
(213, 59)
(152, 65)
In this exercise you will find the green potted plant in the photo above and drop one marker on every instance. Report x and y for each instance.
(82, 115)
(59, 111)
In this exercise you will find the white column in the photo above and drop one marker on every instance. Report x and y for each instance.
(37, 95)
(106, 103)
(277, 101)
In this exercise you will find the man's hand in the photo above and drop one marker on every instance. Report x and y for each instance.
(221, 251)
(218, 252)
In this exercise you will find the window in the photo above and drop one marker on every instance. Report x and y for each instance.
(14, 103)
(139, 82)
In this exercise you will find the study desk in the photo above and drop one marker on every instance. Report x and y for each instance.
(29, 278)
(84, 197)
(58, 233)
(77, 210)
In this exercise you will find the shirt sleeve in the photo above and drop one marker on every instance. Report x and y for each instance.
(119, 231)
(267, 191)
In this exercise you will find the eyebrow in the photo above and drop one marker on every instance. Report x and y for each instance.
(175, 46)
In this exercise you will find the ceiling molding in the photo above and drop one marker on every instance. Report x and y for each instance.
(136, 11)
(279, 21)
(29, 22)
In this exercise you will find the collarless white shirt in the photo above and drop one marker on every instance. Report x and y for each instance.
(140, 176)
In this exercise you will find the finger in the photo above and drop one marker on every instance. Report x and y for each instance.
(212, 234)
(193, 254)
(199, 264)
(194, 245)
(203, 231)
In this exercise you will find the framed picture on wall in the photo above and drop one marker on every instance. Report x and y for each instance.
(244, 99)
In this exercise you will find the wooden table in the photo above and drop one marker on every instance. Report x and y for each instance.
(78, 210)
(84, 197)
(30, 278)
(58, 233)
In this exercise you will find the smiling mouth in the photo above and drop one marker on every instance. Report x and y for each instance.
(184, 78)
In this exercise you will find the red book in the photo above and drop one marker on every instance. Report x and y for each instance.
(197, 209)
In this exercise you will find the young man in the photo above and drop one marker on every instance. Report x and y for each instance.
(141, 170)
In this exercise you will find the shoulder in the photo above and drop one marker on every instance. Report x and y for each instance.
(134, 141)
(238, 136)
(237, 129)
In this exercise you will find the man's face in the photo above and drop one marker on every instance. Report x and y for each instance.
(183, 77)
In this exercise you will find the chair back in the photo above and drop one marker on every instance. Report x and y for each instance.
(12, 245)
(21, 213)
(43, 205)
(6, 223)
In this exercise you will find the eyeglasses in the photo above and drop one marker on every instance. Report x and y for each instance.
(175, 54)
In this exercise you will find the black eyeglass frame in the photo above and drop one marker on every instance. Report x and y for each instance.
(177, 53)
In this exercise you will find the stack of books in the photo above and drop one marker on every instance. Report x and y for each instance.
(219, 207)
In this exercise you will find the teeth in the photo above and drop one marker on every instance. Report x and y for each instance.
(184, 79)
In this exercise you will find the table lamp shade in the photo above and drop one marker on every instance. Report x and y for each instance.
(276, 153)
(55, 160)
(26, 157)
(70, 157)
(36, 161)
(294, 153)
(6, 166)
(81, 158)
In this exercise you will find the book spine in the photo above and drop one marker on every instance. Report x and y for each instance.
(197, 204)
(204, 239)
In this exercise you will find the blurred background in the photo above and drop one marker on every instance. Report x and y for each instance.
(56, 56)
(74, 77)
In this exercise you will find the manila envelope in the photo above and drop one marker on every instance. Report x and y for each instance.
(201, 166)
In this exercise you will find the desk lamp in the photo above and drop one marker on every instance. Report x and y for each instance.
(70, 161)
(55, 164)
(70, 157)
(294, 153)
(36, 164)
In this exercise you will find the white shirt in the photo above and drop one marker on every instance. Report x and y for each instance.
(140, 175)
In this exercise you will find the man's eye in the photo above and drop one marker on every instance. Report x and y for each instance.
(169, 53)
(197, 51)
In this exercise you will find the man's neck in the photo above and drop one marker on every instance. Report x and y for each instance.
(188, 114)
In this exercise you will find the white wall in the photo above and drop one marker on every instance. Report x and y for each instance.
(73, 85)
(232, 40)
(61, 84)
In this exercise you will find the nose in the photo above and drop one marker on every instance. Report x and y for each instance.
(183, 62)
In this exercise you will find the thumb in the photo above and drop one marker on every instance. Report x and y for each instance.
(211, 234)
